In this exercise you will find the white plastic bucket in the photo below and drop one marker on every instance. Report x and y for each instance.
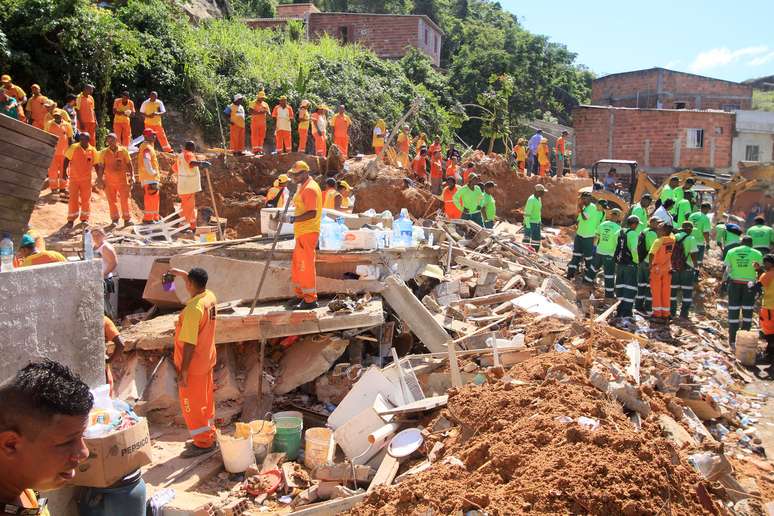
(746, 347)
(263, 437)
(317, 446)
(237, 452)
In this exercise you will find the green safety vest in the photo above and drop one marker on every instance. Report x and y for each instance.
(608, 237)
(678, 194)
(720, 233)
(533, 211)
(666, 193)
(650, 237)
(740, 262)
(762, 235)
(689, 246)
(588, 228)
(469, 199)
(640, 212)
(489, 207)
(730, 238)
(683, 210)
(701, 226)
(632, 239)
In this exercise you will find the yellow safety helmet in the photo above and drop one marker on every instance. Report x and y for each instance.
(299, 166)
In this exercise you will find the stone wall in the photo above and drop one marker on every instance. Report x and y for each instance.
(53, 311)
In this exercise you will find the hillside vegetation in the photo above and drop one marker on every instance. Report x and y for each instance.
(141, 45)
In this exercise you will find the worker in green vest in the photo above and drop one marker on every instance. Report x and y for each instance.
(678, 192)
(589, 217)
(606, 241)
(640, 210)
(740, 274)
(761, 234)
(627, 258)
(684, 260)
(668, 191)
(488, 205)
(644, 300)
(468, 200)
(720, 234)
(732, 237)
(701, 232)
(683, 209)
(533, 217)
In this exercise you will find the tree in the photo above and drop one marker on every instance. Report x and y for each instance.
(494, 102)
(255, 8)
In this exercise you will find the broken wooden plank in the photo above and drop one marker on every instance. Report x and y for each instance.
(491, 299)
(624, 335)
(332, 507)
(386, 472)
(484, 267)
(604, 316)
(418, 318)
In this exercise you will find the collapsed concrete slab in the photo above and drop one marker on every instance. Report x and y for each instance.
(306, 360)
(53, 311)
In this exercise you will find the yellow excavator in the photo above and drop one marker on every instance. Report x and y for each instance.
(750, 176)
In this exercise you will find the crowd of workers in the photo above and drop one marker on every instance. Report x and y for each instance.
(650, 257)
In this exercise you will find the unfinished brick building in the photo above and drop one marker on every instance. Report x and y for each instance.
(660, 140)
(660, 88)
(389, 36)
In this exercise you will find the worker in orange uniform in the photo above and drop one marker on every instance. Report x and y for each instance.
(520, 153)
(419, 142)
(320, 130)
(449, 191)
(116, 172)
(189, 181)
(57, 181)
(152, 110)
(277, 195)
(561, 153)
(30, 254)
(236, 117)
(379, 133)
(123, 111)
(419, 165)
(345, 191)
(765, 286)
(331, 195)
(195, 359)
(80, 159)
(404, 144)
(660, 259)
(304, 119)
(306, 228)
(543, 157)
(453, 168)
(436, 172)
(341, 123)
(283, 129)
(87, 117)
(36, 107)
(435, 146)
(259, 110)
(14, 91)
(150, 175)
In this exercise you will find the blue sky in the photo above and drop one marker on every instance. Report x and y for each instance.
(731, 40)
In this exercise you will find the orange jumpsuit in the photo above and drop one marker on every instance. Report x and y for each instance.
(87, 118)
(449, 208)
(283, 137)
(196, 326)
(766, 313)
(37, 111)
(521, 158)
(303, 128)
(303, 272)
(258, 124)
(544, 161)
(122, 126)
(116, 174)
(341, 123)
(419, 166)
(155, 109)
(320, 133)
(63, 132)
(188, 183)
(560, 149)
(149, 178)
(82, 162)
(404, 143)
(237, 132)
(660, 275)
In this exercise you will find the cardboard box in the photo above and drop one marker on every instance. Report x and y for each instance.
(114, 456)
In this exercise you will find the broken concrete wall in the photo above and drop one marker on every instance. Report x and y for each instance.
(53, 311)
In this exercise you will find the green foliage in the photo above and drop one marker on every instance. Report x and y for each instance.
(254, 8)
(494, 101)
(763, 100)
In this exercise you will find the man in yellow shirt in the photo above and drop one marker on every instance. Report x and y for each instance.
(259, 110)
(123, 111)
(30, 255)
(44, 411)
(36, 107)
(152, 110)
(306, 228)
(195, 359)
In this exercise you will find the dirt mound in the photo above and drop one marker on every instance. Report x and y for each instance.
(518, 447)
(559, 204)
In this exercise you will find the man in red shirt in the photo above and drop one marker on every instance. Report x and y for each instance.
(195, 360)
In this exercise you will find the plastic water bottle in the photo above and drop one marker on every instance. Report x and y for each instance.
(88, 245)
(6, 253)
(330, 235)
(403, 232)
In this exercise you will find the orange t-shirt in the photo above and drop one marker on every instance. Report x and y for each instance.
(560, 146)
(119, 108)
(433, 147)
(116, 164)
(436, 169)
(404, 142)
(85, 106)
(419, 166)
(196, 326)
(81, 161)
(341, 125)
(63, 132)
(449, 207)
(35, 107)
(111, 332)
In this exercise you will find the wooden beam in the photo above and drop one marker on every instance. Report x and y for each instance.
(332, 507)
(386, 472)
(485, 267)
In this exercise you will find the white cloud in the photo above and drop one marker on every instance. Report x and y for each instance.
(761, 60)
(717, 57)
(674, 63)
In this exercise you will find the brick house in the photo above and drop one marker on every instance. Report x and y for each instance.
(389, 36)
(666, 89)
(660, 140)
